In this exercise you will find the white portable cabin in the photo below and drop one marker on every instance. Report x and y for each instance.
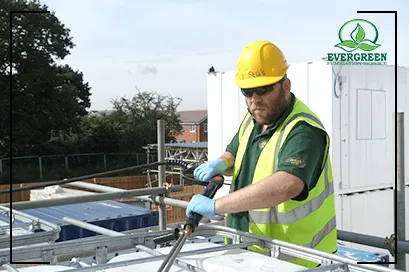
(356, 105)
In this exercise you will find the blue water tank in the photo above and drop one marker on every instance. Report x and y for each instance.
(362, 256)
(109, 214)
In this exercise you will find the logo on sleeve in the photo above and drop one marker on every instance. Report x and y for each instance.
(296, 162)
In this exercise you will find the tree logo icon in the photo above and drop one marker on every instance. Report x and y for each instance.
(362, 35)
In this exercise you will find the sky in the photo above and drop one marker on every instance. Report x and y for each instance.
(167, 46)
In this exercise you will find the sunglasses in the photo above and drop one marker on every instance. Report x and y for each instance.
(259, 90)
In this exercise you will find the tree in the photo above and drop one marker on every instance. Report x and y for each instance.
(130, 126)
(47, 99)
(96, 134)
(137, 119)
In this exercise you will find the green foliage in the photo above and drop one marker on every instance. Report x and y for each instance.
(137, 119)
(49, 102)
(46, 98)
(130, 126)
(95, 134)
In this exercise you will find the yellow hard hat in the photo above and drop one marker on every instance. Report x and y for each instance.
(261, 63)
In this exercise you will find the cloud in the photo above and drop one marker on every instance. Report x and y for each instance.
(146, 69)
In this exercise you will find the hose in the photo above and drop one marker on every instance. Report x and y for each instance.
(174, 162)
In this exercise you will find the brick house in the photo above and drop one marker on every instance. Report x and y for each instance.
(194, 126)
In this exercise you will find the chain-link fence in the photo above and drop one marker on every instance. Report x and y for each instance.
(55, 167)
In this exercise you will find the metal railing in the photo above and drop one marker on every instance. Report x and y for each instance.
(142, 239)
(159, 197)
(48, 167)
(31, 229)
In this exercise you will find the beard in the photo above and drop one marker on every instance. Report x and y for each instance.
(265, 114)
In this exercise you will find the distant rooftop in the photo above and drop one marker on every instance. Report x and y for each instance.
(193, 117)
(99, 112)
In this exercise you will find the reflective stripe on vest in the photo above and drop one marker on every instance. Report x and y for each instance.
(329, 227)
(296, 214)
(248, 120)
(280, 138)
(292, 221)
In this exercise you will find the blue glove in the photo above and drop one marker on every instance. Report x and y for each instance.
(201, 205)
(210, 169)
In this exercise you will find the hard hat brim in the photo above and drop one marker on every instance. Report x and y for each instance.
(257, 82)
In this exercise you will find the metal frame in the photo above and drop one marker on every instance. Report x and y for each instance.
(115, 234)
(144, 237)
(66, 157)
(84, 246)
(95, 197)
(188, 154)
(347, 236)
(49, 234)
(162, 171)
(143, 240)
(400, 189)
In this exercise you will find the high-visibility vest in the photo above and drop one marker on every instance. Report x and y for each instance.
(310, 222)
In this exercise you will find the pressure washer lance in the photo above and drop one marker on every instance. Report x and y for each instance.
(191, 224)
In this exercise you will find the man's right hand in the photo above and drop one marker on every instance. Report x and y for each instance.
(210, 169)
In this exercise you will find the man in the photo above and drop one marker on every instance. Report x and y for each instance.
(282, 177)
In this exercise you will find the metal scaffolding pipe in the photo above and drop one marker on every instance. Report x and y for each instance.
(69, 180)
(162, 170)
(156, 199)
(109, 232)
(91, 227)
(374, 241)
(93, 197)
(368, 240)
(77, 261)
(162, 257)
(287, 247)
(400, 189)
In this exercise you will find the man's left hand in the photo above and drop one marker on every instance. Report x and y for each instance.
(201, 205)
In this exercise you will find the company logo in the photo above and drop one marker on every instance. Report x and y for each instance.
(262, 144)
(354, 36)
(296, 162)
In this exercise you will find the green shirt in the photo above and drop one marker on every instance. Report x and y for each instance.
(304, 142)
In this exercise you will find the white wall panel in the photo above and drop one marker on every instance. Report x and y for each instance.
(363, 114)
(214, 114)
(226, 109)
(231, 118)
(320, 93)
(368, 127)
(371, 213)
(298, 74)
(378, 106)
